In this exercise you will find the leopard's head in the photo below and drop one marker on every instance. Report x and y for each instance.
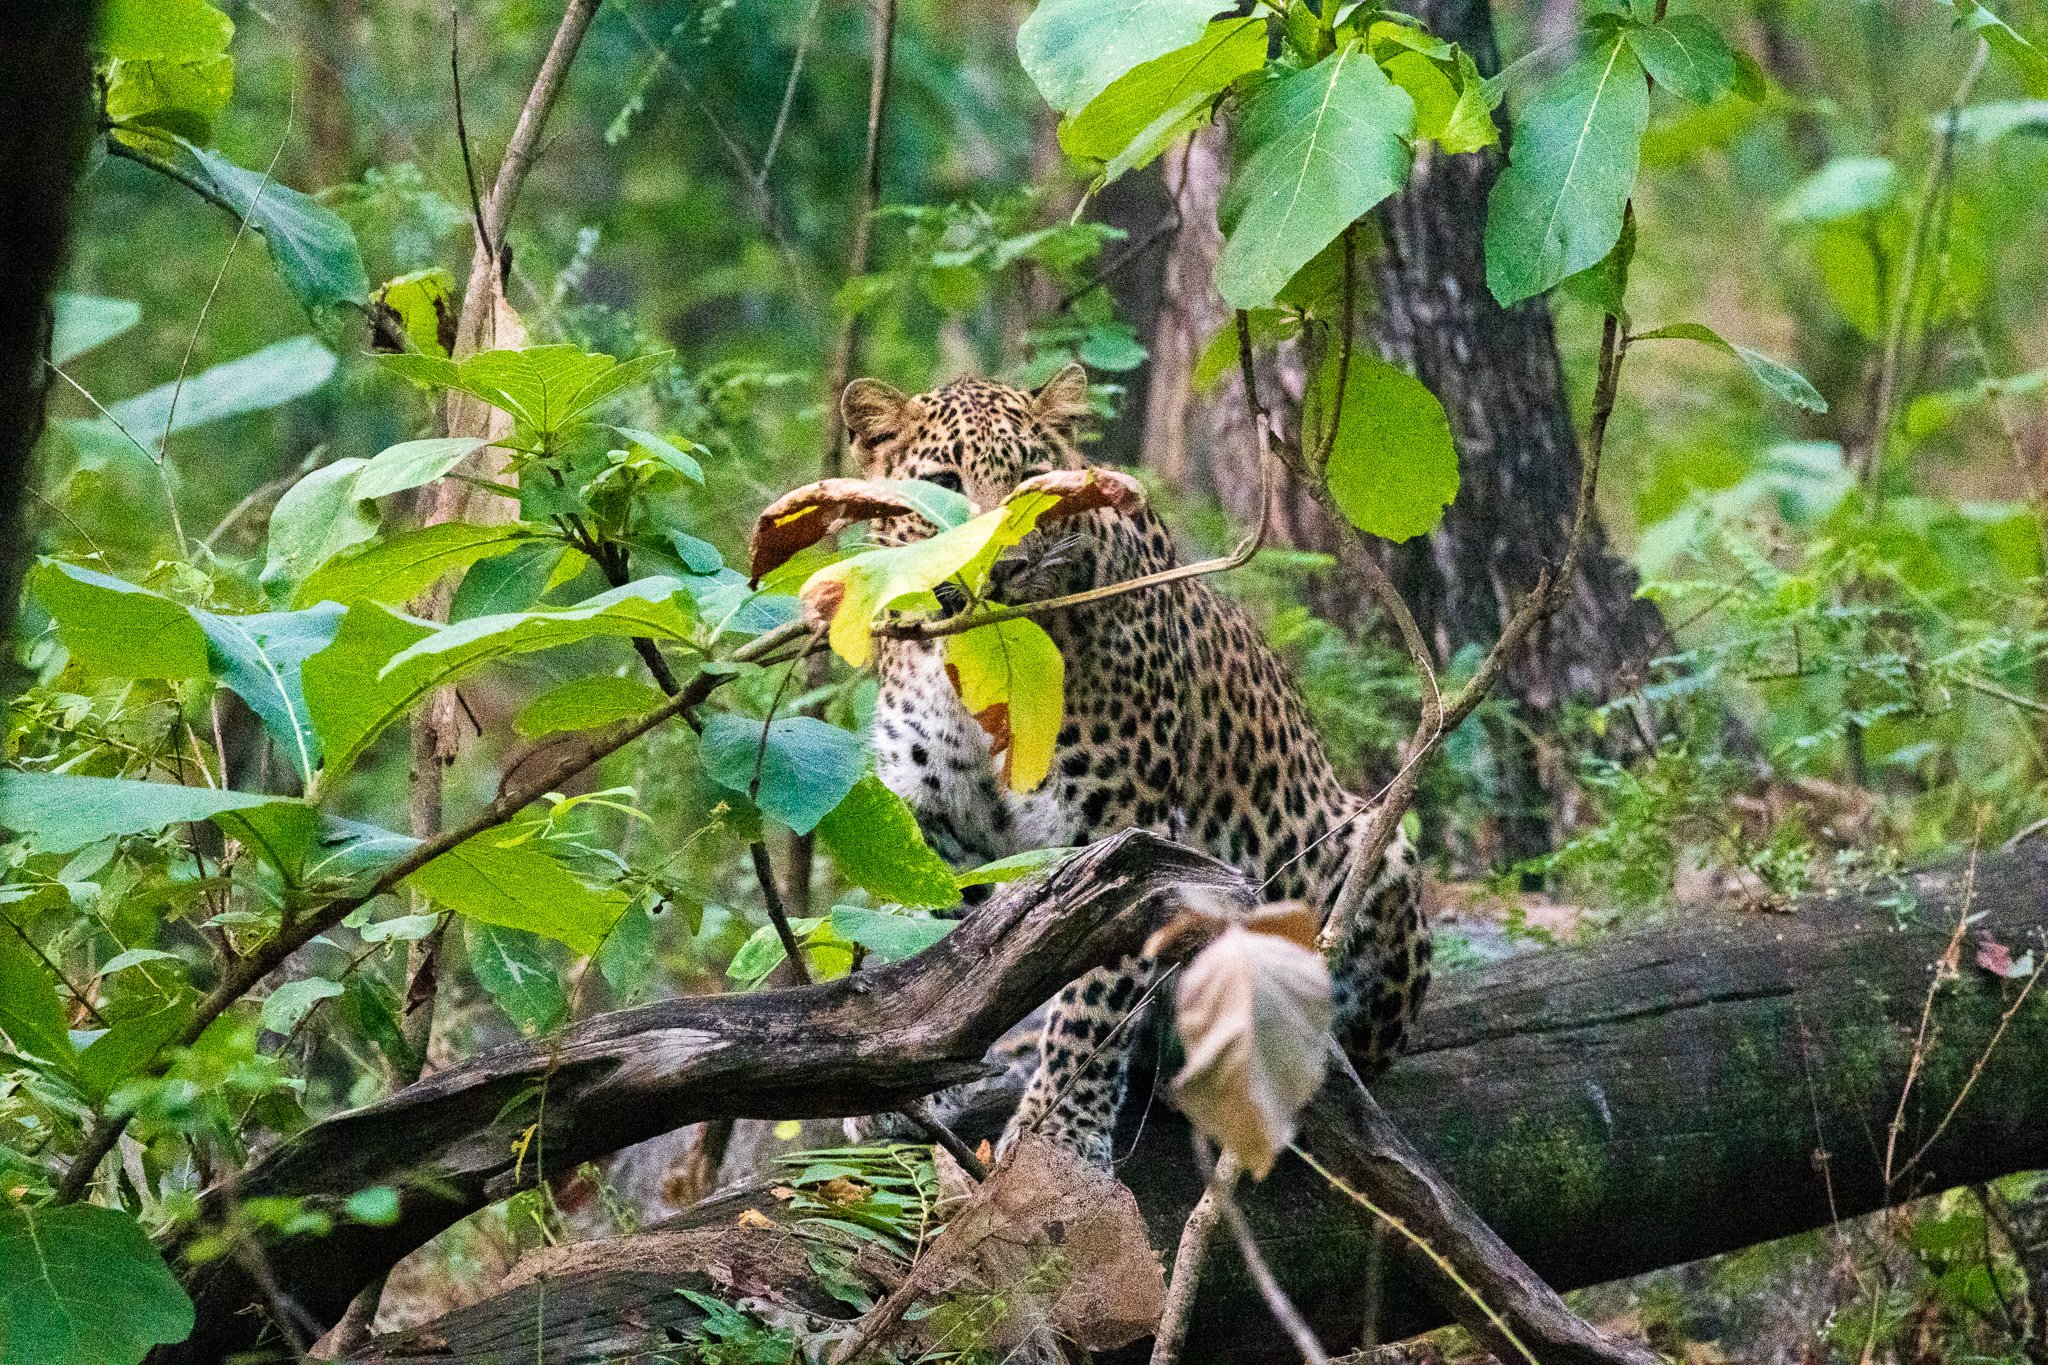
(972, 436)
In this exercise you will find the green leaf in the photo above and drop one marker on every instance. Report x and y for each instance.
(349, 700)
(887, 936)
(940, 506)
(1393, 467)
(504, 878)
(805, 766)
(261, 658)
(514, 969)
(83, 1285)
(874, 839)
(761, 954)
(61, 812)
(31, 1012)
(416, 309)
(1012, 679)
(1605, 285)
(1686, 56)
(1842, 189)
(586, 704)
(1451, 107)
(1016, 867)
(377, 1206)
(648, 608)
(397, 570)
(140, 1028)
(545, 389)
(1318, 149)
(163, 30)
(1781, 379)
(84, 321)
(256, 382)
(515, 581)
(156, 104)
(312, 249)
(285, 1007)
(2030, 63)
(1074, 49)
(1981, 124)
(412, 463)
(666, 451)
(1557, 208)
(115, 629)
(1170, 89)
(628, 959)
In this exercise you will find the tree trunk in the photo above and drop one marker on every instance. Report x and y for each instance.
(46, 124)
(1498, 375)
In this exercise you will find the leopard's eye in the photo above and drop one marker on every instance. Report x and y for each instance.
(944, 478)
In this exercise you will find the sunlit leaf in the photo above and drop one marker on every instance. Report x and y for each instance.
(1074, 49)
(412, 463)
(349, 700)
(499, 877)
(117, 630)
(1149, 104)
(163, 30)
(1011, 678)
(1393, 467)
(875, 842)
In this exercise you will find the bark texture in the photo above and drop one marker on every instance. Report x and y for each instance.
(1639, 1104)
(1498, 375)
(46, 124)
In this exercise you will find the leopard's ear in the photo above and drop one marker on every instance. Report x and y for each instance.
(1061, 403)
(874, 413)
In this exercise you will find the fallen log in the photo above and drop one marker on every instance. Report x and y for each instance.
(1642, 1102)
(473, 1134)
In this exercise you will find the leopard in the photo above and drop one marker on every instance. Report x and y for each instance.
(1179, 719)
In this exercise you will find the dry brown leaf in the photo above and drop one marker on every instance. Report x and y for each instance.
(1294, 921)
(840, 1190)
(1085, 490)
(1254, 1018)
(754, 1218)
(804, 516)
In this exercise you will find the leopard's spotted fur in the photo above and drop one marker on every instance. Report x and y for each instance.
(1179, 719)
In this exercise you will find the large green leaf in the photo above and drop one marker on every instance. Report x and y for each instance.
(805, 767)
(84, 321)
(1450, 99)
(1315, 151)
(317, 518)
(82, 1285)
(1844, 188)
(256, 382)
(118, 630)
(348, 698)
(545, 389)
(875, 841)
(31, 1014)
(61, 812)
(313, 250)
(1557, 208)
(154, 104)
(514, 968)
(412, 463)
(163, 30)
(1781, 379)
(1152, 102)
(648, 608)
(1393, 468)
(515, 581)
(139, 1027)
(260, 657)
(1074, 49)
(586, 704)
(1686, 56)
(504, 877)
(401, 568)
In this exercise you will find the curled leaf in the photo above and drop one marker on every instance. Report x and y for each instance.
(1084, 490)
(1255, 1017)
(804, 516)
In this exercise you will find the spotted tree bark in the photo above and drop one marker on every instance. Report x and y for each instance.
(1498, 375)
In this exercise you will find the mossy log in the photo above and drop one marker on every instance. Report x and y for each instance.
(1637, 1103)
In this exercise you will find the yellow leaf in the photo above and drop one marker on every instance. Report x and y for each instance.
(1254, 1017)
(1011, 677)
(853, 592)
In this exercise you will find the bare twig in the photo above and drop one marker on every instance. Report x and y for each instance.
(1944, 970)
(796, 70)
(839, 371)
(771, 895)
(1222, 1180)
(1195, 1235)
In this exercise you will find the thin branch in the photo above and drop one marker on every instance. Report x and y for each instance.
(192, 181)
(919, 1112)
(796, 69)
(1159, 232)
(1282, 1308)
(244, 974)
(1195, 1235)
(771, 895)
(839, 372)
(476, 203)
